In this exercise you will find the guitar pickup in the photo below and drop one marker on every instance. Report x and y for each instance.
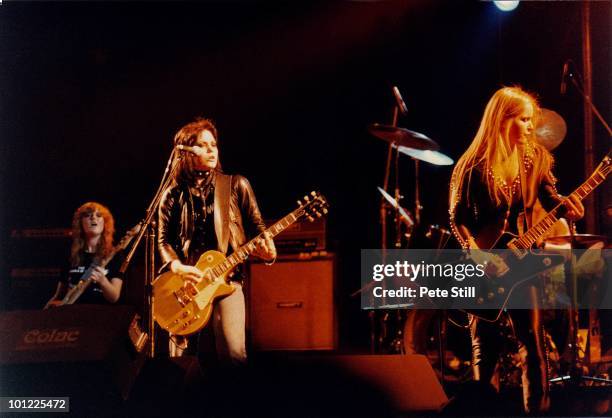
(182, 297)
(186, 294)
(518, 252)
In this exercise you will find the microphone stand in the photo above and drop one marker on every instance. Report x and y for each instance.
(587, 99)
(575, 373)
(148, 228)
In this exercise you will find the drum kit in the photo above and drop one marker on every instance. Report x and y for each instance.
(418, 147)
(394, 330)
(387, 326)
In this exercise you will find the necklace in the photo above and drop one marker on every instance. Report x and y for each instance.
(512, 189)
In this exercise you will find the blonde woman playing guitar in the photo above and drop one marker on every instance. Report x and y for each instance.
(493, 191)
(93, 228)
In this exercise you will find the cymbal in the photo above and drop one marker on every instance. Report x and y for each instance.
(402, 136)
(584, 240)
(431, 157)
(406, 216)
(551, 129)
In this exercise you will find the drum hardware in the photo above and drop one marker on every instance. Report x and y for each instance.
(429, 156)
(441, 234)
(576, 370)
(420, 148)
(405, 216)
(396, 136)
(579, 240)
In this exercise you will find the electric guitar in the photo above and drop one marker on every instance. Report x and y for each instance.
(75, 293)
(522, 262)
(182, 307)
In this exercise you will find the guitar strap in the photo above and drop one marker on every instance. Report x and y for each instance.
(223, 194)
(525, 223)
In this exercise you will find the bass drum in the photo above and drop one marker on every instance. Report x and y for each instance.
(421, 335)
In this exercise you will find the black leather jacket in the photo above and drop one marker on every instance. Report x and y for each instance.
(476, 211)
(236, 217)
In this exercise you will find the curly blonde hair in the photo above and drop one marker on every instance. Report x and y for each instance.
(105, 244)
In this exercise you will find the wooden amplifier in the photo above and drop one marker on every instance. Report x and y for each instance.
(301, 237)
(291, 304)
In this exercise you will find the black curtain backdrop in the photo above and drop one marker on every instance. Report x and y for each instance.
(92, 94)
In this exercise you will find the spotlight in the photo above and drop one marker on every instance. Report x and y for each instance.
(506, 6)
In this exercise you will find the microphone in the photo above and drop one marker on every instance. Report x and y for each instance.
(564, 75)
(193, 150)
(400, 102)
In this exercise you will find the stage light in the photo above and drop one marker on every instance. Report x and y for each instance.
(506, 6)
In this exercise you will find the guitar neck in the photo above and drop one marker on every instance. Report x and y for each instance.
(541, 228)
(247, 249)
(85, 280)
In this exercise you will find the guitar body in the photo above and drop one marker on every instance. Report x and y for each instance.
(494, 236)
(494, 292)
(520, 261)
(183, 308)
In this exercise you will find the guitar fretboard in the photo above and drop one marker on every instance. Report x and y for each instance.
(247, 249)
(538, 230)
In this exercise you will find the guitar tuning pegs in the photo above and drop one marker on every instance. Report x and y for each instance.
(325, 211)
(299, 202)
(313, 193)
(310, 218)
(306, 198)
(318, 214)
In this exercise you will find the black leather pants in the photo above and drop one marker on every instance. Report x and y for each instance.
(487, 342)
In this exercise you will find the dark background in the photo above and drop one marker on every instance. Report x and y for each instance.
(92, 93)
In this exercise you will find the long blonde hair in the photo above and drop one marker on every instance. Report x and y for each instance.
(491, 146)
(105, 244)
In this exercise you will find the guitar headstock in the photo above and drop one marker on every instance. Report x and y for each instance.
(314, 206)
(128, 237)
(605, 165)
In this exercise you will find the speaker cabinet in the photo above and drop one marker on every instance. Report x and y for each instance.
(81, 351)
(291, 305)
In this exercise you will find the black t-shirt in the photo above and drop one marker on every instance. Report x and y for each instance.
(93, 294)
(204, 236)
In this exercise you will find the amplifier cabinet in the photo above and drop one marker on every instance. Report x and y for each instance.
(301, 237)
(291, 305)
(82, 351)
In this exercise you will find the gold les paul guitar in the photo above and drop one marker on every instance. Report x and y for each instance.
(183, 308)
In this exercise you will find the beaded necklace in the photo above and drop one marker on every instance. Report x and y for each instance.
(510, 190)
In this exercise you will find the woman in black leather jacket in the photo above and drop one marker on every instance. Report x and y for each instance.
(206, 209)
(494, 188)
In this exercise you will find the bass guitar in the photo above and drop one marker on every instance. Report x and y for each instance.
(75, 292)
(183, 308)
